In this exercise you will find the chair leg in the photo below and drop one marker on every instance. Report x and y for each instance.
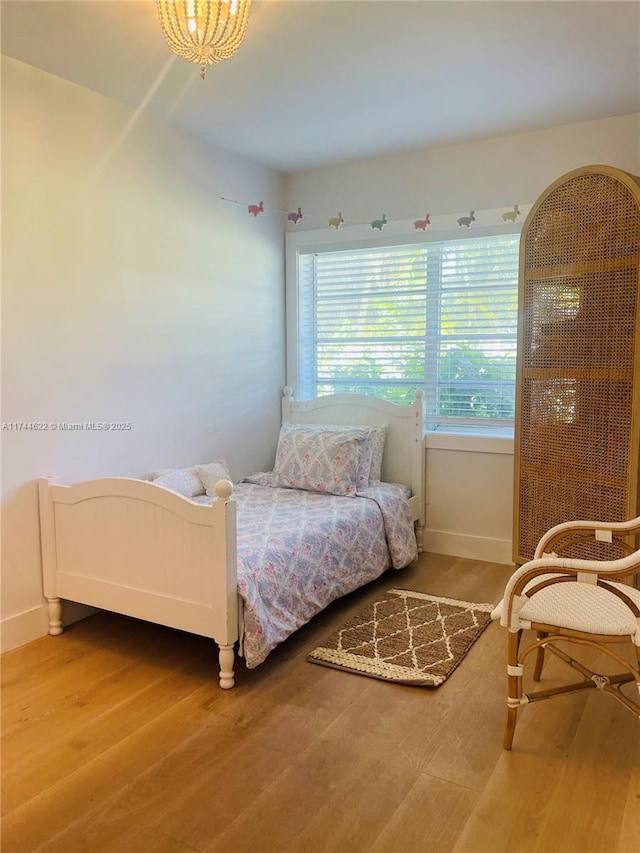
(514, 691)
(537, 671)
(512, 719)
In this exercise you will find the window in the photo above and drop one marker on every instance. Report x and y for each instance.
(386, 320)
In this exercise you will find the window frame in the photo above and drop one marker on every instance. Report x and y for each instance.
(398, 233)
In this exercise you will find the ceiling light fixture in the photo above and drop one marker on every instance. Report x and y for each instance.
(204, 31)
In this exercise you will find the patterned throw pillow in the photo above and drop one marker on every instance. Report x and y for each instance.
(318, 460)
(377, 441)
(365, 451)
(184, 481)
(370, 462)
(211, 473)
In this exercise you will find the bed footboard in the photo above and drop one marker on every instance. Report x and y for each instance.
(136, 548)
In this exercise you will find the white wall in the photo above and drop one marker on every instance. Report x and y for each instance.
(470, 481)
(481, 175)
(131, 293)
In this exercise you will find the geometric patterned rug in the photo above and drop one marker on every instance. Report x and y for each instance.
(406, 637)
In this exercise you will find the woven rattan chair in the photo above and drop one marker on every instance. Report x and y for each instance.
(574, 603)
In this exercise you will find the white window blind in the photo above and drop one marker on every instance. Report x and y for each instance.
(441, 316)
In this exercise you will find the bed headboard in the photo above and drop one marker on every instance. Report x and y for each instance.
(404, 455)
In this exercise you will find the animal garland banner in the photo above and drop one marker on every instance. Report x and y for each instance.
(294, 216)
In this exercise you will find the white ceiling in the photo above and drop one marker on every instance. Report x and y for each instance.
(326, 81)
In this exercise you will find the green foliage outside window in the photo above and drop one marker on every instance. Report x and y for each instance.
(441, 317)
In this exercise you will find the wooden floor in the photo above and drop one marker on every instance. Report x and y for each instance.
(117, 738)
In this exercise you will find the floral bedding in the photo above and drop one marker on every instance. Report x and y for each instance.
(300, 550)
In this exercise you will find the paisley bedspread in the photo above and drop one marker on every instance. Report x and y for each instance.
(298, 551)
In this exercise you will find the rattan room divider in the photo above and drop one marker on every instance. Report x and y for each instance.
(577, 432)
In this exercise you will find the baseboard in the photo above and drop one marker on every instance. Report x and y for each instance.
(23, 627)
(32, 624)
(471, 547)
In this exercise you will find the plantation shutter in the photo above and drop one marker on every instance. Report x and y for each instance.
(440, 316)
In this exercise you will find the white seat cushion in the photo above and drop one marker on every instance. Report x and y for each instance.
(579, 607)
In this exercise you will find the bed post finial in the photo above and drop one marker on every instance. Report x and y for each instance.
(285, 405)
(223, 490)
(419, 394)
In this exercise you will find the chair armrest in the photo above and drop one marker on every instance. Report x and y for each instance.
(514, 598)
(600, 530)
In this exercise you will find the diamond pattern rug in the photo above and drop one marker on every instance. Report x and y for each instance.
(407, 637)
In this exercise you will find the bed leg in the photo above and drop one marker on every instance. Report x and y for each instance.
(226, 658)
(420, 537)
(55, 616)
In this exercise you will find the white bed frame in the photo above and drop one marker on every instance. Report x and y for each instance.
(132, 547)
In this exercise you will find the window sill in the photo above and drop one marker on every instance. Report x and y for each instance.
(469, 443)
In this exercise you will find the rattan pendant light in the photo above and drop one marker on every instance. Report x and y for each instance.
(204, 31)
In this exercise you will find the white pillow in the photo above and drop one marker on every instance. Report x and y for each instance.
(184, 481)
(210, 474)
